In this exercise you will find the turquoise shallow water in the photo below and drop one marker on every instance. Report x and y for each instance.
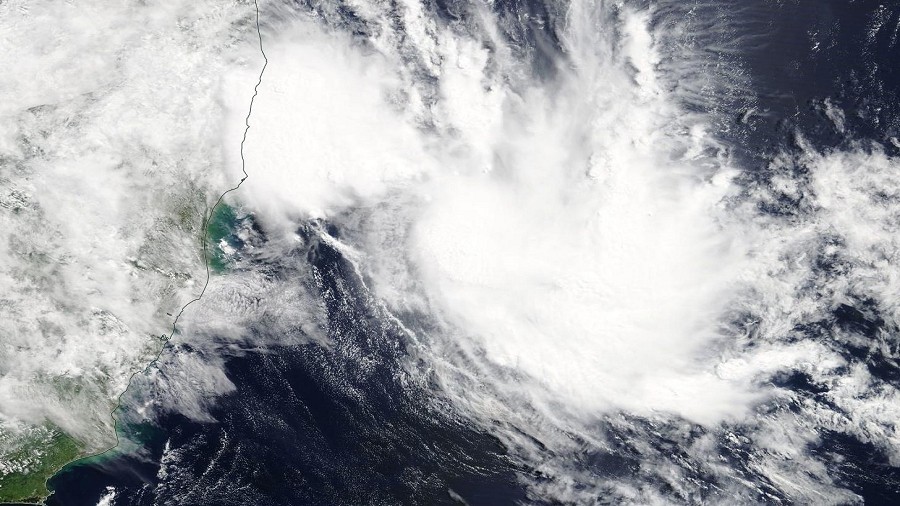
(339, 425)
(308, 425)
(223, 226)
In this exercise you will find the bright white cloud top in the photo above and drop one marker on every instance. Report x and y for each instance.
(567, 247)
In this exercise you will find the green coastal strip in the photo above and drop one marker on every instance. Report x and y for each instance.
(27, 463)
(35, 460)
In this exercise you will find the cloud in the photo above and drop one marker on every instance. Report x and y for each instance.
(577, 259)
(110, 148)
(566, 230)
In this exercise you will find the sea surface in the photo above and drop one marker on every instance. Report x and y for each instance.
(343, 423)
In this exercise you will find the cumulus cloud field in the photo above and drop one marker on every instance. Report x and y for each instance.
(570, 248)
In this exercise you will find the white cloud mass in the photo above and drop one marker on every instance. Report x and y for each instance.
(110, 154)
(568, 247)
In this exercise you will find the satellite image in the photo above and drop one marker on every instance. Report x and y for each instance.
(461, 252)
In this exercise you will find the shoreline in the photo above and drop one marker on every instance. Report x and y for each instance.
(85, 459)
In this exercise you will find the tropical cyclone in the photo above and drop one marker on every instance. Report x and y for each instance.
(546, 251)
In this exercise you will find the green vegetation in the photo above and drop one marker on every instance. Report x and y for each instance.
(186, 218)
(27, 466)
(187, 212)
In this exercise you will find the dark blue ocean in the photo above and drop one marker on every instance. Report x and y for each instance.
(319, 425)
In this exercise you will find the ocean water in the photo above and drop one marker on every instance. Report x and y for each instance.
(376, 405)
(309, 426)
